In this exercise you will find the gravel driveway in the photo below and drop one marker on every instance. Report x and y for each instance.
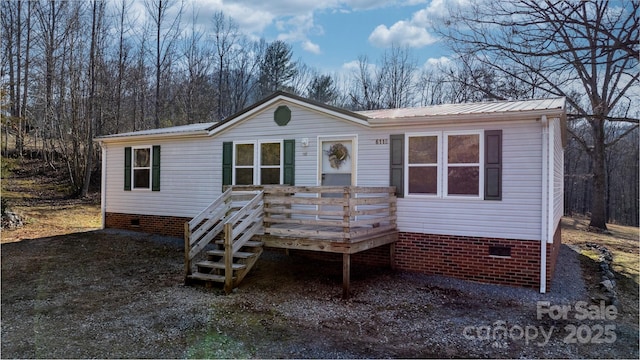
(116, 294)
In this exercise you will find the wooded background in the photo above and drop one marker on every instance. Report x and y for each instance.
(73, 70)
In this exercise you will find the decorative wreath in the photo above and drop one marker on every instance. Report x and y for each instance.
(338, 154)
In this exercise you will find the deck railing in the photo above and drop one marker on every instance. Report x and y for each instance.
(335, 213)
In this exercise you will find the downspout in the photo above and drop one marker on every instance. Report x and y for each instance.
(103, 185)
(551, 191)
(544, 219)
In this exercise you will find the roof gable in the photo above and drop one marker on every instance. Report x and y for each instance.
(284, 97)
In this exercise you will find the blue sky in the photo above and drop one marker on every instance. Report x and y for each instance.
(329, 35)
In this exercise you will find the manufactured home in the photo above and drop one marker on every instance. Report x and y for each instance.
(472, 191)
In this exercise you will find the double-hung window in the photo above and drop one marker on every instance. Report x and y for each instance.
(422, 164)
(444, 164)
(142, 168)
(463, 157)
(257, 163)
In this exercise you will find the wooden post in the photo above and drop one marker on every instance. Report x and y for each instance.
(228, 258)
(346, 212)
(346, 275)
(187, 250)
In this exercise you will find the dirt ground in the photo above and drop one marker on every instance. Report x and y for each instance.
(115, 294)
(69, 290)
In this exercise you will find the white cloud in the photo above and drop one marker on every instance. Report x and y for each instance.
(402, 33)
(350, 66)
(311, 47)
(435, 63)
(413, 32)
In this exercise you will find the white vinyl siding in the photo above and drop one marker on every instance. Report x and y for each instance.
(186, 177)
(516, 216)
(191, 173)
(558, 174)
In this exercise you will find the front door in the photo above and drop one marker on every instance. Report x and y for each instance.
(337, 168)
(338, 160)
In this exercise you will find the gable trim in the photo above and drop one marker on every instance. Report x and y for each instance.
(292, 99)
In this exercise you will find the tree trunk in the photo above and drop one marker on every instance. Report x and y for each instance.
(598, 205)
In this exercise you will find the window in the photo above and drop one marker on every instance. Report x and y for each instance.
(267, 170)
(444, 164)
(244, 164)
(463, 165)
(142, 168)
(270, 163)
(423, 164)
(258, 162)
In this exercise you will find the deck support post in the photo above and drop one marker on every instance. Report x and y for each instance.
(346, 275)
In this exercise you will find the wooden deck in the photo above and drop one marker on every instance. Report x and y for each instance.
(336, 219)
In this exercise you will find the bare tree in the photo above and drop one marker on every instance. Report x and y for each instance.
(243, 84)
(399, 68)
(226, 34)
(166, 33)
(97, 18)
(567, 45)
(368, 86)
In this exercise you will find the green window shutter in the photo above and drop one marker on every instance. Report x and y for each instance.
(289, 162)
(155, 169)
(493, 165)
(396, 172)
(227, 163)
(127, 168)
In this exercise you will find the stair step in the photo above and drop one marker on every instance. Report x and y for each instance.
(248, 243)
(239, 254)
(207, 277)
(219, 265)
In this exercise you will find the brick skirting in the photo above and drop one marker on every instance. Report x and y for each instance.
(455, 256)
(469, 258)
(161, 225)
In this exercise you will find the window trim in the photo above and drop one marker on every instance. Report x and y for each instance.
(480, 164)
(134, 167)
(443, 164)
(259, 157)
(438, 136)
(257, 161)
(235, 156)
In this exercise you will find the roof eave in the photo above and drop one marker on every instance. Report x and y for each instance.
(466, 118)
(110, 139)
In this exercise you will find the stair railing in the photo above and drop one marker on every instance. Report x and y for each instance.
(204, 227)
(238, 229)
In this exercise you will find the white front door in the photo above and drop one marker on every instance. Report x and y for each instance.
(338, 159)
(336, 168)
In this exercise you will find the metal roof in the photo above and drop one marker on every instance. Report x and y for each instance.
(374, 118)
(467, 109)
(183, 129)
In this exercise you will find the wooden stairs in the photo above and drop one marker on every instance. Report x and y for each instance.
(212, 270)
(224, 232)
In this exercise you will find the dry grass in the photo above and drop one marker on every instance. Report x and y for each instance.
(40, 196)
(47, 221)
(622, 241)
